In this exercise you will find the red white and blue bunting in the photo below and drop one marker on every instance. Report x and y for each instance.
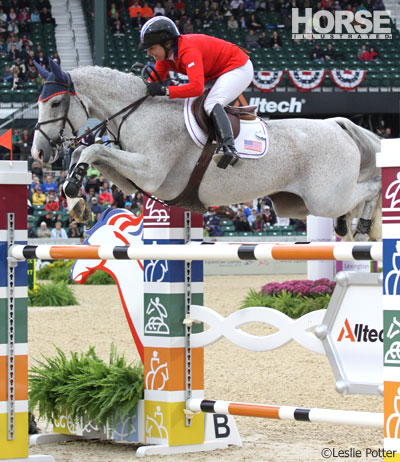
(306, 80)
(347, 80)
(266, 81)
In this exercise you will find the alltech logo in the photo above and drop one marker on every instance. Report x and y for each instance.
(359, 333)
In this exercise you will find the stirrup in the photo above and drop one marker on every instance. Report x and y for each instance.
(229, 157)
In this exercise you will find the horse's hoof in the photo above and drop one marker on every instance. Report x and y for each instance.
(234, 161)
(81, 211)
(360, 237)
(217, 157)
(341, 228)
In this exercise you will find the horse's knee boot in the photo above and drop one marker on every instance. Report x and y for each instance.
(74, 181)
(341, 228)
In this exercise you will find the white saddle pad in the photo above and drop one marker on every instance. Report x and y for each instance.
(251, 143)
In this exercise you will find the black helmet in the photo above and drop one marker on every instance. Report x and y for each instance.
(157, 30)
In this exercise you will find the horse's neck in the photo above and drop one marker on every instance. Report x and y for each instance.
(104, 92)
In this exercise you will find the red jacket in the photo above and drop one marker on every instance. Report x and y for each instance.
(201, 58)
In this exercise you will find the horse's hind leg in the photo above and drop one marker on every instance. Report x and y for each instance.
(365, 222)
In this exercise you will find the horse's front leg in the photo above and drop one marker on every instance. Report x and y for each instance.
(121, 167)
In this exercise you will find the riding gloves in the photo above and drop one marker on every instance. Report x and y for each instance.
(156, 89)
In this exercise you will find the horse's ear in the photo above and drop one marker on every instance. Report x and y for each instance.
(57, 71)
(43, 72)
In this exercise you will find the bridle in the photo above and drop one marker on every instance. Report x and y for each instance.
(58, 142)
(100, 128)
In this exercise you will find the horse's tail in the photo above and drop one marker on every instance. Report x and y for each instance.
(368, 143)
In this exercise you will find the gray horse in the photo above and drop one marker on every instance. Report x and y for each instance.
(320, 167)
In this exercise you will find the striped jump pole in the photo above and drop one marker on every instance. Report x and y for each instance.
(342, 251)
(330, 416)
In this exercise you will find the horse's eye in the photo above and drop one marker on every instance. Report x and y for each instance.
(55, 103)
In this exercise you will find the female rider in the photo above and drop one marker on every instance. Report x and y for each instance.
(202, 58)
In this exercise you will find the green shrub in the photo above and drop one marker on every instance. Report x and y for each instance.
(59, 271)
(293, 298)
(85, 386)
(51, 294)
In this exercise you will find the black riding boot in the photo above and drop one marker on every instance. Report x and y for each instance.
(224, 133)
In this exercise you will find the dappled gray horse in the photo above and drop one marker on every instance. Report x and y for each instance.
(320, 167)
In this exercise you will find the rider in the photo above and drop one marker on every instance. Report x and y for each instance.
(201, 58)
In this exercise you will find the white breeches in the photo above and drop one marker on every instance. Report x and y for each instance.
(229, 86)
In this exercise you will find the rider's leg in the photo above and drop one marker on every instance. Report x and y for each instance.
(227, 88)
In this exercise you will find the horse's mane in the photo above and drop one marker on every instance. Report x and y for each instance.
(115, 81)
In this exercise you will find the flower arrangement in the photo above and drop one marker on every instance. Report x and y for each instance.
(293, 298)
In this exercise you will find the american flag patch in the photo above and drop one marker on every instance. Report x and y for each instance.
(253, 145)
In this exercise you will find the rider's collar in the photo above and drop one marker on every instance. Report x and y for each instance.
(175, 48)
(52, 87)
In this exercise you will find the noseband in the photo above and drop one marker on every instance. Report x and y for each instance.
(57, 143)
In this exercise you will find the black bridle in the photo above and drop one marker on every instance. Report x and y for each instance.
(100, 128)
(58, 142)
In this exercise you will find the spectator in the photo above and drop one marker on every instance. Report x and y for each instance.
(374, 55)
(118, 28)
(48, 219)
(232, 24)
(58, 232)
(13, 27)
(49, 185)
(251, 40)
(36, 169)
(16, 142)
(17, 83)
(26, 144)
(35, 16)
(253, 220)
(188, 28)
(249, 5)
(12, 15)
(55, 57)
(38, 197)
(43, 231)
(93, 183)
(52, 203)
(88, 139)
(24, 15)
(317, 54)
(13, 54)
(254, 23)
(263, 40)
(242, 23)
(269, 217)
(159, 10)
(41, 59)
(134, 9)
(213, 224)
(7, 74)
(46, 17)
(20, 67)
(31, 232)
(105, 197)
(147, 11)
(197, 19)
(275, 41)
(95, 206)
(361, 51)
(387, 133)
(74, 230)
(329, 54)
(23, 27)
(3, 15)
(241, 223)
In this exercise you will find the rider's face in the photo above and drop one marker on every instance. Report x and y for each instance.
(157, 51)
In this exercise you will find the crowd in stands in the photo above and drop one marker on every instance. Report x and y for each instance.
(16, 44)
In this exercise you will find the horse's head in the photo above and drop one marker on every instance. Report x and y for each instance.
(59, 113)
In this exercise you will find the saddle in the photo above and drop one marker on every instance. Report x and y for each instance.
(235, 114)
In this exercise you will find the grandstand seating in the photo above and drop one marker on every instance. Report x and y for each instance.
(122, 51)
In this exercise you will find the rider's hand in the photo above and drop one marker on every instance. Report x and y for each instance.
(156, 89)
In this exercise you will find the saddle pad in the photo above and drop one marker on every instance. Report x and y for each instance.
(251, 143)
